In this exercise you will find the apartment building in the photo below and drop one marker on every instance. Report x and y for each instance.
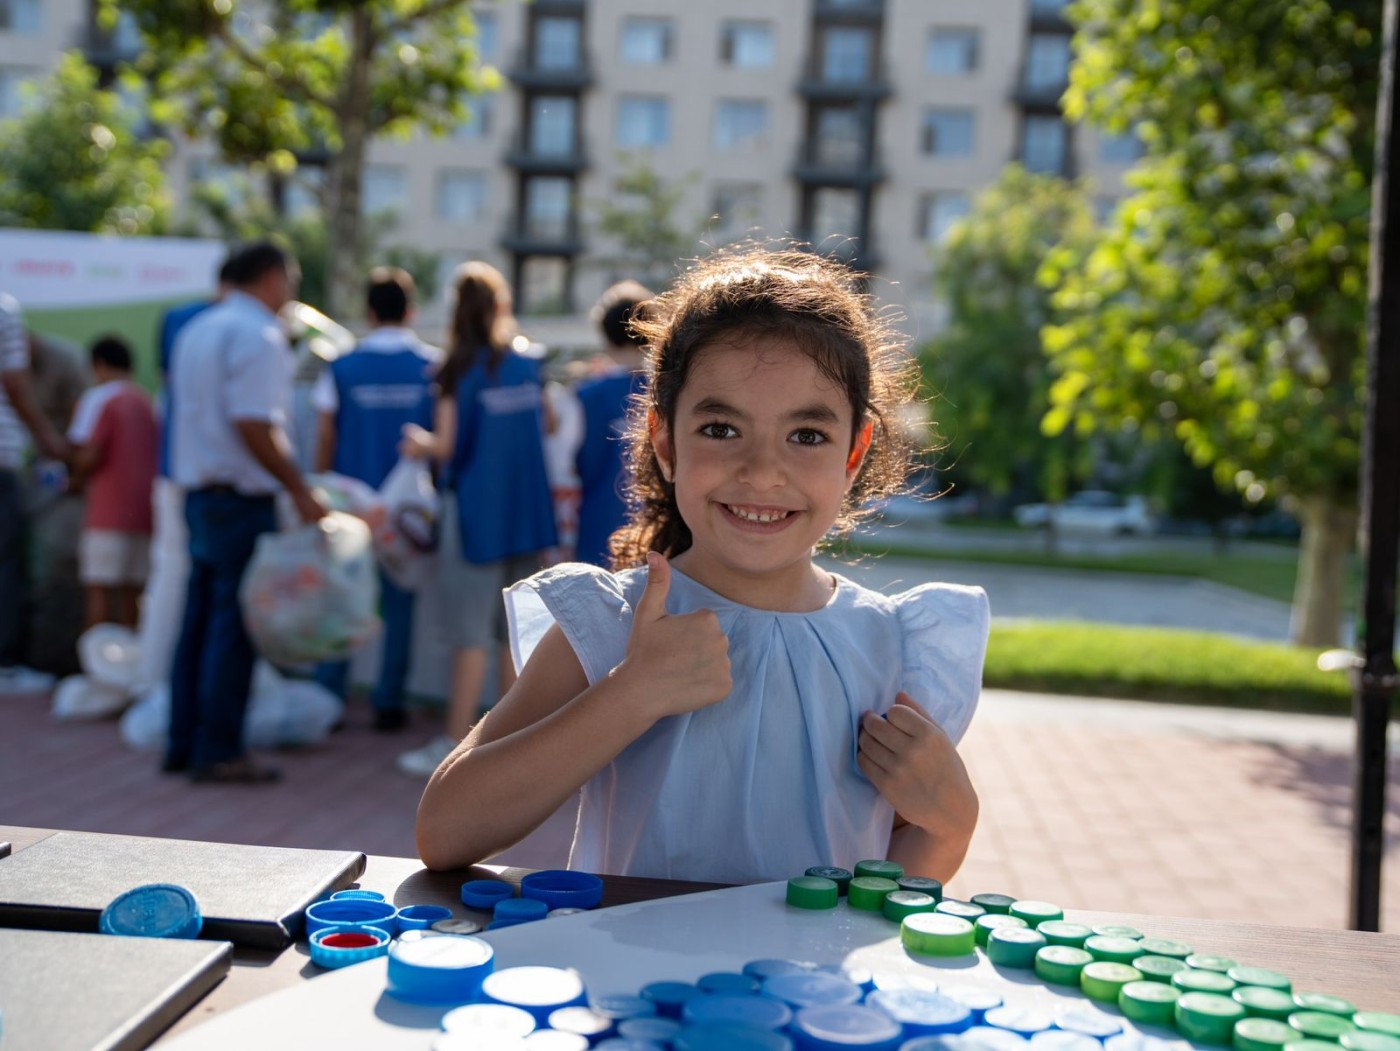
(863, 127)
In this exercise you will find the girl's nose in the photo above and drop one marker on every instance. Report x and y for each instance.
(763, 468)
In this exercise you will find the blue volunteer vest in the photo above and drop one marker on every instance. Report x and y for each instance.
(603, 509)
(378, 392)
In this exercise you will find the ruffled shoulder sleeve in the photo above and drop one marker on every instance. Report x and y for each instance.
(944, 631)
(591, 606)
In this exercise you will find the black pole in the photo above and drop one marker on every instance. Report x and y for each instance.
(1380, 503)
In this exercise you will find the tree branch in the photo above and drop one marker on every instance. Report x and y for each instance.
(431, 9)
(288, 81)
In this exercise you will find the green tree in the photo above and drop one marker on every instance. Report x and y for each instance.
(1226, 306)
(987, 365)
(269, 80)
(74, 160)
(640, 218)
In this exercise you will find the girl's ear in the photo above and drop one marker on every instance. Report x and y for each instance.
(661, 443)
(858, 451)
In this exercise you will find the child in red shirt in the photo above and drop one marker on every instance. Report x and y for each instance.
(116, 441)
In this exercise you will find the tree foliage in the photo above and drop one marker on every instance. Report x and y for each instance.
(74, 160)
(987, 365)
(1226, 305)
(641, 218)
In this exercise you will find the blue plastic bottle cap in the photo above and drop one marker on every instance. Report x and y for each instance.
(477, 1019)
(484, 893)
(989, 1038)
(519, 910)
(563, 888)
(846, 1027)
(1060, 1040)
(729, 1038)
(364, 895)
(770, 968)
(755, 1012)
(656, 1029)
(856, 974)
(336, 912)
(1088, 1021)
(539, 990)
(555, 1040)
(727, 982)
(1024, 1021)
(333, 947)
(977, 999)
(457, 926)
(668, 997)
(584, 1021)
(479, 1040)
(905, 980)
(931, 1043)
(448, 969)
(421, 917)
(921, 1013)
(156, 910)
(809, 990)
(565, 912)
(619, 1043)
(618, 1006)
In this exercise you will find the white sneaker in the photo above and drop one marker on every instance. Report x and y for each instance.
(16, 679)
(421, 762)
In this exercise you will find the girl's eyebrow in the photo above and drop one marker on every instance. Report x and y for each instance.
(816, 413)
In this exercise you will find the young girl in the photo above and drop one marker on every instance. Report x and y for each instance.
(731, 711)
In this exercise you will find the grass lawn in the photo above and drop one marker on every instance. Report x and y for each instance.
(1190, 667)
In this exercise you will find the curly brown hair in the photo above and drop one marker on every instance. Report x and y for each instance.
(747, 291)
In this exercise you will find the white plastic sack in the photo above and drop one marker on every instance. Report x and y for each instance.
(407, 538)
(111, 656)
(82, 697)
(348, 495)
(311, 594)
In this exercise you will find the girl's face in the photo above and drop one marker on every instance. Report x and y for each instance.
(760, 454)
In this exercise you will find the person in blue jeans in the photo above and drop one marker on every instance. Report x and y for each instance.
(363, 402)
(231, 381)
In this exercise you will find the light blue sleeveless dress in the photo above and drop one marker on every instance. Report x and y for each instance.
(765, 783)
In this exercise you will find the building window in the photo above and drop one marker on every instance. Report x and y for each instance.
(835, 214)
(488, 34)
(1048, 7)
(643, 122)
(737, 208)
(1120, 149)
(646, 41)
(461, 195)
(952, 51)
(947, 133)
(385, 189)
(840, 136)
(1043, 144)
(740, 122)
(552, 125)
(544, 285)
(548, 206)
(481, 118)
(938, 212)
(1047, 62)
(847, 54)
(557, 43)
(747, 45)
(20, 16)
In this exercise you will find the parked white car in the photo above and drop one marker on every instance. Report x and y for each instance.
(1090, 511)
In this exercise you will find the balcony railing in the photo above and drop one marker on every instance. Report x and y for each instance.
(1044, 96)
(540, 158)
(830, 164)
(849, 11)
(532, 70)
(527, 234)
(820, 83)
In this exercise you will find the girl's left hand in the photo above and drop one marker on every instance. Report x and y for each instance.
(912, 763)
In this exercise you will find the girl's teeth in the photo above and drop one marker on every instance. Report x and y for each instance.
(757, 516)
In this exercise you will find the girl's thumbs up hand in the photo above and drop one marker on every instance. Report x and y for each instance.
(681, 663)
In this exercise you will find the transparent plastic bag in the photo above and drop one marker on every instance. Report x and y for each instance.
(407, 539)
(82, 697)
(311, 594)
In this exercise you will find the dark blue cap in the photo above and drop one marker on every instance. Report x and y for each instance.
(156, 910)
(846, 1027)
(756, 1012)
(563, 888)
(421, 917)
(367, 895)
(519, 910)
(352, 943)
(807, 990)
(654, 1028)
(922, 1013)
(727, 982)
(447, 969)
(669, 997)
(620, 1043)
(339, 911)
(729, 1038)
(762, 969)
(484, 893)
(1024, 1021)
(622, 1005)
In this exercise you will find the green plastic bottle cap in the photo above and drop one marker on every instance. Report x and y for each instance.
(1150, 1003)
(1265, 1003)
(1207, 1018)
(1319, 1025)
(1159, 968)
(1206, 962)
(812, 892)
(1114, 950)
(923, 884)
(868, 892)
(1262, 977)
(1102, 980)
(937, 934)
(1118, 930)
(1192, 980)
(890, 870)
(1263, 1034)
(901, 903)
(1036, 912)
(1166, 947)
(1000, 903)
(1377, 1022)
(963, 910)
(841, 877)
(1061, 964)
(1332, 1005)
(1062, 932)
(1369, 1040)
(1014, 947)
(992, 921)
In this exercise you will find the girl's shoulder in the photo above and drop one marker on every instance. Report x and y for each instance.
(925, 604)
(592, 606)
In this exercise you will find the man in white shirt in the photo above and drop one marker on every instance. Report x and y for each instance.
(231, 382)
(19, 419)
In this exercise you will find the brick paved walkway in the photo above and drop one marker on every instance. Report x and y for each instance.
(1096, 805)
